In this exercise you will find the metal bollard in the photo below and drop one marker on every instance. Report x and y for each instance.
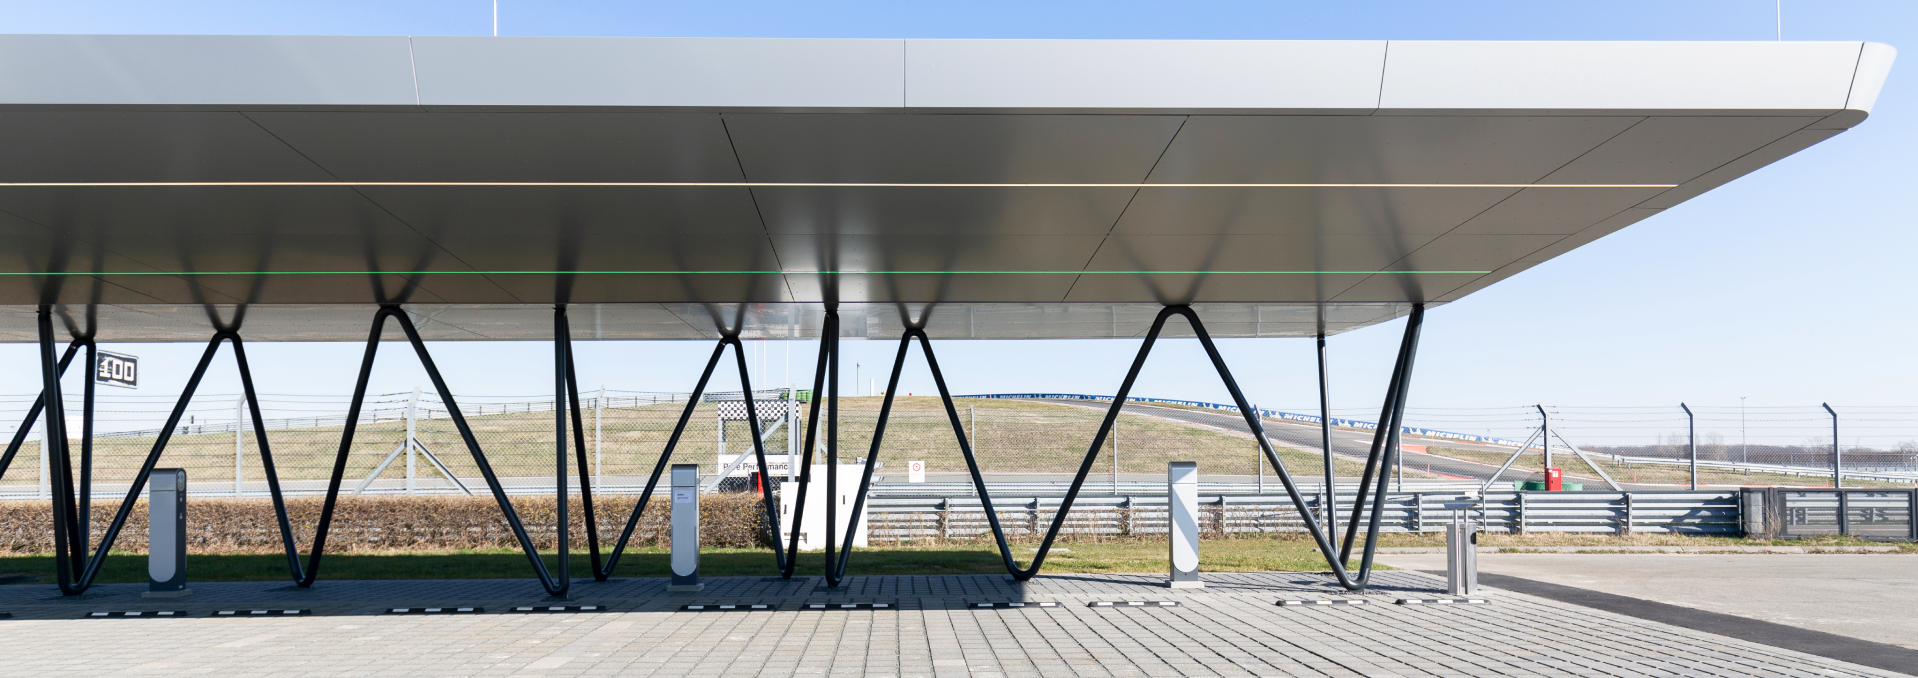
(1182, 516)
(685, 535)
(1461, 550)
(166, 534)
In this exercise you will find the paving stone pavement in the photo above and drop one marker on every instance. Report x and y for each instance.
(1230, 628)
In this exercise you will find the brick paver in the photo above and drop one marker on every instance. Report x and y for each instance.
(1230, 628)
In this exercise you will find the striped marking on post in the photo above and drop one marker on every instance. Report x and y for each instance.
(1322, 601)
(262, 613)
(848, 606)
(1133, 603)
(1016, 604)
(142, 614)
(436, 610)
(729, 607)
(1442, 601)
(559, 608)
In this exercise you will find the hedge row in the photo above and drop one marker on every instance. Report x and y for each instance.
(389, 524)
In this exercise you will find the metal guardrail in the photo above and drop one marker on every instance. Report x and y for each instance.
(895, 518)
(1792, 513)
(1803, 471)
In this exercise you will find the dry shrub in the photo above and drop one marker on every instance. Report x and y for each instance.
(390, 524)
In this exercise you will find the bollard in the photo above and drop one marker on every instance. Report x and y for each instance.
(1182, 515)
(685, 531)
(1461, 550)
(166, 534)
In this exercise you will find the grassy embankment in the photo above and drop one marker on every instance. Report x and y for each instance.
(1009, 436)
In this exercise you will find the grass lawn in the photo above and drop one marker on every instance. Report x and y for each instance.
(1225, 555)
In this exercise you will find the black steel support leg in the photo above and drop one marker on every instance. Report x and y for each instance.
(86, 576)
(1325, 440)
(565, 341)
(69, 549)
(838, 567)
(562, 382)
(780, 558)
(828, 352)
(556, 587)
(1385, 442)
(1105, 428)
(33, 414)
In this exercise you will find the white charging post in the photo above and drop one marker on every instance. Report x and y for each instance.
(1461, 550)
(1182, 514)
(685, 536)
(166, 534)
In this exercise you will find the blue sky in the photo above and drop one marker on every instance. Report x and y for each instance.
(1789, 286)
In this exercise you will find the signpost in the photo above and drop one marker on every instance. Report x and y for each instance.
(915, 472)
(116, 369)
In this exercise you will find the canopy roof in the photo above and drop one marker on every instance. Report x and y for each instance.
(1032, 188)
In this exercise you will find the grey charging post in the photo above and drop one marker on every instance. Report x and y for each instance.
(166, 534)
(1182, 515)
(685, 535)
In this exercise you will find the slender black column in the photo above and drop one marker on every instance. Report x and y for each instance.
(68, 550)
(759, 450)
(579, 448)
(266, 460)
(562, 345)
(1377, 452)
(827, 348)
(1325, 440)
(33, 414)
(836, 567)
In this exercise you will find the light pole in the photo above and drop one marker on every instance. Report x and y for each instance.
(855, 376)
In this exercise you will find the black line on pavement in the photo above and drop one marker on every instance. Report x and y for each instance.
(1820, 643)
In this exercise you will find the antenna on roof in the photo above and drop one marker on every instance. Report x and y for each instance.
(495, 18)
(1778, 6)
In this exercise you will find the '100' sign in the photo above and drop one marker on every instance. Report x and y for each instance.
(114, 369)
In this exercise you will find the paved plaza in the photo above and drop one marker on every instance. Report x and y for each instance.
(931, 628)
(1869, 597)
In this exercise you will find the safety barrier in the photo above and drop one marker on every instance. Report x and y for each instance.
(897, 518)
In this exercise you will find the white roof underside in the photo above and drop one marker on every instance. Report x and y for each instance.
(1057, 188)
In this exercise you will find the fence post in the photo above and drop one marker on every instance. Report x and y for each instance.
(239, 442)
(1844, 513)
(944, 518)
(412, 440)
(1630, 517)
(1418, 512)
(1521, 513)
(599, 421)
(1837, 460)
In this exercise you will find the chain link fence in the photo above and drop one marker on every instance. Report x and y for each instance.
(624, 432)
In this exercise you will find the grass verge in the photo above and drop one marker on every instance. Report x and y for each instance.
(1226, 555)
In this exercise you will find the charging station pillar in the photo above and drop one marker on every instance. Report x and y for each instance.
(1182, 514)
(685, 536)
(166, 534)
(1461, 550)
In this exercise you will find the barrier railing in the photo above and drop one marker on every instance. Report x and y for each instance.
(897, 518)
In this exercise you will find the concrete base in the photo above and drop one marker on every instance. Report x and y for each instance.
(686, 588)
(1184, 584)
(182, 593)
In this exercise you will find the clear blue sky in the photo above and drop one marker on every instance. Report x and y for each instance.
(1790, 286)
